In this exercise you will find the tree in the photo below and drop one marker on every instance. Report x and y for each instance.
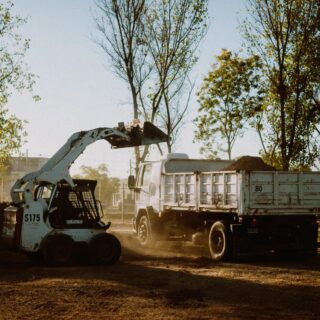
(106, 185)
(11, 133)
(151, 44)
(286, 35)
(14, 76)
(120, 36)
(173, 31)
(227, 97)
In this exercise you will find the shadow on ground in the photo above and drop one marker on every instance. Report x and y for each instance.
(169, 282)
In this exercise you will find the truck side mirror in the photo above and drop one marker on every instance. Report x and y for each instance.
(131, 182)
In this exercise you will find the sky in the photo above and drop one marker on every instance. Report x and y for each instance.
(79, 90)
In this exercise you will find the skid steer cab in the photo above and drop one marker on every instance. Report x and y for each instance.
(53, 217)
(61, 223)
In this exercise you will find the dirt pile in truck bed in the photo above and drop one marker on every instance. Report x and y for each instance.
(250, 164)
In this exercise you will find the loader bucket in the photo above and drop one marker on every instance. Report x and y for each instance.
(149, 134)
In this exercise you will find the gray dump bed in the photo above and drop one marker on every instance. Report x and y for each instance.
(194, 165)
(244, 192)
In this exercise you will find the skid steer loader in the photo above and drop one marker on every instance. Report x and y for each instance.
(53, 217)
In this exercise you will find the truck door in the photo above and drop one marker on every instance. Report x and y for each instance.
(143, 193)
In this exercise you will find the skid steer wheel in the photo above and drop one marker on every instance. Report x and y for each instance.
(57, 250)
(219, 242)
(36, 257)
(145, 237)
(104, 249)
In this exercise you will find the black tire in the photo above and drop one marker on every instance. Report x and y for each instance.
(145, 237)
(57, 250)
(36, 257)
(104, 249)
(219, 242)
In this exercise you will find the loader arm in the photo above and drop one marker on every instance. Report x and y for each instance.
(56, 169)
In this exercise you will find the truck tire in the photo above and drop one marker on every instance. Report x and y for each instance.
(57, 250)
(104, 249)
(219, 242)
(145, 236)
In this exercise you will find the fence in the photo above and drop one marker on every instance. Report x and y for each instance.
(122, 208)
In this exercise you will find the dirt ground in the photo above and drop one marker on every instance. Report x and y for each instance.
(171, 282)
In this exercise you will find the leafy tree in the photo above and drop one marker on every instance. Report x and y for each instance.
(286, 35)
(14, 76)
(106, 185)
(151, 45)
(11, 133)
(228, 95)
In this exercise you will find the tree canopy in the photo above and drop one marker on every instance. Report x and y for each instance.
(286, 35)
(106, 185)
(284, 104)
(229, 93)
(152, 46)
(14, 76)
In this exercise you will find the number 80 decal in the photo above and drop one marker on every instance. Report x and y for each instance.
(258, 189)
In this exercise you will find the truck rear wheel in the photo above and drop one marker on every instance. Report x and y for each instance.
(145, 236)
(57, 250)
(219, 242)
(104, 249)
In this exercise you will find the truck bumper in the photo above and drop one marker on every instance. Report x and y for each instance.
(280, 234)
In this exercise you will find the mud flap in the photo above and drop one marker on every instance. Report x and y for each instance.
(244, 242)
(155, 224)
(151, 218)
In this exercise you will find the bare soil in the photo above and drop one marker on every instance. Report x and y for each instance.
(173, 281)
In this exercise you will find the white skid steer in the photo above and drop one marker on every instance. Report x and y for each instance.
(52, 216)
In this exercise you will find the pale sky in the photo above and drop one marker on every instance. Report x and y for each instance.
(79, 91)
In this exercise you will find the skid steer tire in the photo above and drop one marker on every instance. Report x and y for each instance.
(36, 257)
(219, 242)
(104, 249)
(57, 250)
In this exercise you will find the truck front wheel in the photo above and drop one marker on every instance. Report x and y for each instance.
(145, 236)
(219, 242)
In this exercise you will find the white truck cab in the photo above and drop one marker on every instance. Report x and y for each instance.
(149, 187)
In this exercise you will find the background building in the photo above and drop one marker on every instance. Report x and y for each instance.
(17, 168)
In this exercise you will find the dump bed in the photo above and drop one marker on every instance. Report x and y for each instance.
(244, 192)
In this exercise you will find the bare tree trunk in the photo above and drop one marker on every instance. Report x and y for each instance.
(283, 144)
(130, 36)
(229, 149)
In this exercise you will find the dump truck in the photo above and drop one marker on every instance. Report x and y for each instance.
(228, 208)
(54, 217)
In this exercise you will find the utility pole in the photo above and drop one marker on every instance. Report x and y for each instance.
(122, 204)
(2, 189)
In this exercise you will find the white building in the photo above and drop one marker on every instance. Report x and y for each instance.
(17, 168)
